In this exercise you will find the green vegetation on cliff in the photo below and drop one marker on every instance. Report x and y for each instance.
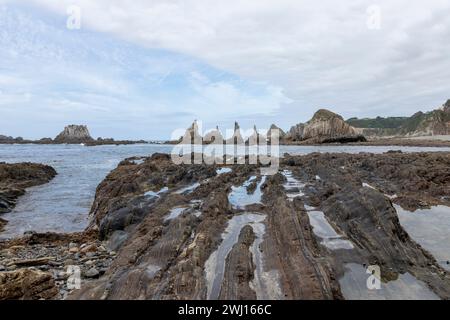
(378, 122)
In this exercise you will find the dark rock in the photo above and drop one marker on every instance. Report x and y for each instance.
(92, 273)
(15, 178)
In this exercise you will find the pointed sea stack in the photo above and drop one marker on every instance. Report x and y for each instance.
(214, 136)
(237, 136)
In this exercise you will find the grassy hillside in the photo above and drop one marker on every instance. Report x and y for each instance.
(378, 122)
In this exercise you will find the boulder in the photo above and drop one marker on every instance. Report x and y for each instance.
(27, 284)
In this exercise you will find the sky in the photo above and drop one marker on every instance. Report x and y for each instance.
(142, 69)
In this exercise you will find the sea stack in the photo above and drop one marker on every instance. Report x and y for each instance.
(214, 136)
(74, 134)
(325, 127)
(237, 136)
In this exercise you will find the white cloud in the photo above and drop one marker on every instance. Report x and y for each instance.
(321, 53)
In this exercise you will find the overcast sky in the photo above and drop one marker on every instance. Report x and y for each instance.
(140, 69)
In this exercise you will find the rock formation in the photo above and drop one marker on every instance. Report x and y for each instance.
(27, 284)
(15, 178)
(202, 244)
(255, 137)
(74, 134)
(436, 122)
(237, 135)
(296, 132)
(324, 127)
(214, 136)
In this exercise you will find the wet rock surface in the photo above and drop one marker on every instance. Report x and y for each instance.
(50, 266)
(169, 259)
(15, 178)
(179, 234)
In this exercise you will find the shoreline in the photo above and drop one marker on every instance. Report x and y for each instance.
(403, 142)
(133, 215)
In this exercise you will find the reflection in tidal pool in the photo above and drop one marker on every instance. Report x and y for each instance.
(431, 229)
(354, 286)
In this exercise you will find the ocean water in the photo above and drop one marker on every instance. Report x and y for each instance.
(63, 204)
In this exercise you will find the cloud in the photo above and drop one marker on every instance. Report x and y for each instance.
(260, 61)
(320, 53)
(51, 76)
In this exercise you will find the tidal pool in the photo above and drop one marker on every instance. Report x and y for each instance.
(354, 286)
(215, 265)
(239, 196)
(323, 229)
(431, 229)
(292, 186)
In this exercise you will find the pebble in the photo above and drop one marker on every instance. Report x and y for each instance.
(92, 273)
(2, 268)
(90, 263)
(74, 250)
(89, 249)
(73, 245)
(69, 262)
(90, 254)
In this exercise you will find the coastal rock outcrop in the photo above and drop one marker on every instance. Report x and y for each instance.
(236, 138)
(27, 284)
(436, 122)
(15, 178)
(74, 134)
(202, 232)
(213, 136)
(324, 127)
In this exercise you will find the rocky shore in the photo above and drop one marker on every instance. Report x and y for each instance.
(72, 134)
(238, 235)
(15, 178)
(39, 266)
(165, 231)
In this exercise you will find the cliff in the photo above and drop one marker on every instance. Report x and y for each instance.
(436, 122)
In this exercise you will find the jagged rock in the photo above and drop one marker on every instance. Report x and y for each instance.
(214, 136)
(237, 136)
(255, 137)
(74, 134)
(27, 284)
(281, 133)
(296, 132)
(192, 135)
